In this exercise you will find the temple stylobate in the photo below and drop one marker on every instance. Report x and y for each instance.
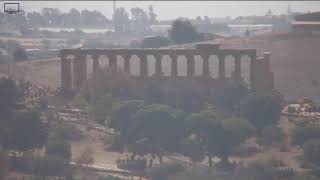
(74, 70)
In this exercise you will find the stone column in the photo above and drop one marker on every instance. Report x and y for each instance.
(205, 65)
(190, 65)
(95, 65)
(76, 72)
(126, 59)
(158, 68)
(269, 73)
(221, 58)
(68, 73)
(253, 61)
(66, 78)
(112, 61)
(266, 57)
(83, 69)
(143, 65)
(174, 65)
(237, 67)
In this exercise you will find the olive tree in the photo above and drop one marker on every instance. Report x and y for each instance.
(261, 110)
(218, 137)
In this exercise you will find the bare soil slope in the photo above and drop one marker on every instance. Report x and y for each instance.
(295, 62)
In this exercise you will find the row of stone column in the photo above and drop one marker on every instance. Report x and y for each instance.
(79, 67)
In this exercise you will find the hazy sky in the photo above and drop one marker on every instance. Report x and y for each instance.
(174, 9)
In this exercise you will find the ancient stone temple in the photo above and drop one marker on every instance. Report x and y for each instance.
(74, 64)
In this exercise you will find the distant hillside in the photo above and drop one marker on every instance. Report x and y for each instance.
(295, 61)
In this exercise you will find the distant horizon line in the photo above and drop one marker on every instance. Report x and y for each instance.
(66, 11)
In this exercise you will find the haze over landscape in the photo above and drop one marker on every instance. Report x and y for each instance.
(160, 90)
(174, 9)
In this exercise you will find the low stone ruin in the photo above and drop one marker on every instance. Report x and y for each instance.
(304, 108)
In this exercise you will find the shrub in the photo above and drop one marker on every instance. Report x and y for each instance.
(59, 148)
(154, 42)
(85, 158)
(245, 151)
(261, 109)
(256, 171)
(4, 165)
(20, 54)
(49, 166)
(311, 151)
(305, 177)
(271, 135)
(72, 41)
(228, 96)
(162, 171)
(66, 132)
(302, 134)
(109, 177)
(183, 31)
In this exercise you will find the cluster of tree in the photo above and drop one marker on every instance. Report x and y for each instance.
(315, 16)
(182, 31)
(172, 116)
(308, 137)
(140, 19)
(25, 130)
(258, 170)
(53, 17)
(12, 51)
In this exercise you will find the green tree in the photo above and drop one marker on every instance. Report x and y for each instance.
(9, 95)
(233, 132)
(300, 135)
(139, 18)
(196, 172)
(161, 126)
(164, 170)
(183, 31)
(192, 147)
(218, 137)
(52, 16)
(311, 150)
(26, 131)
(153, 93)
(229, 95)
(109, 177)
(121, 19)
(60, 148)
(4, 164)
(261, 110)
(154, 42)
(49, 166)
(152, 15)
(122, 119)
(256, 171)
(103, 108)
(203, 126)
(187, 95)
(35, 18)
(272, 134)
(73, 18)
